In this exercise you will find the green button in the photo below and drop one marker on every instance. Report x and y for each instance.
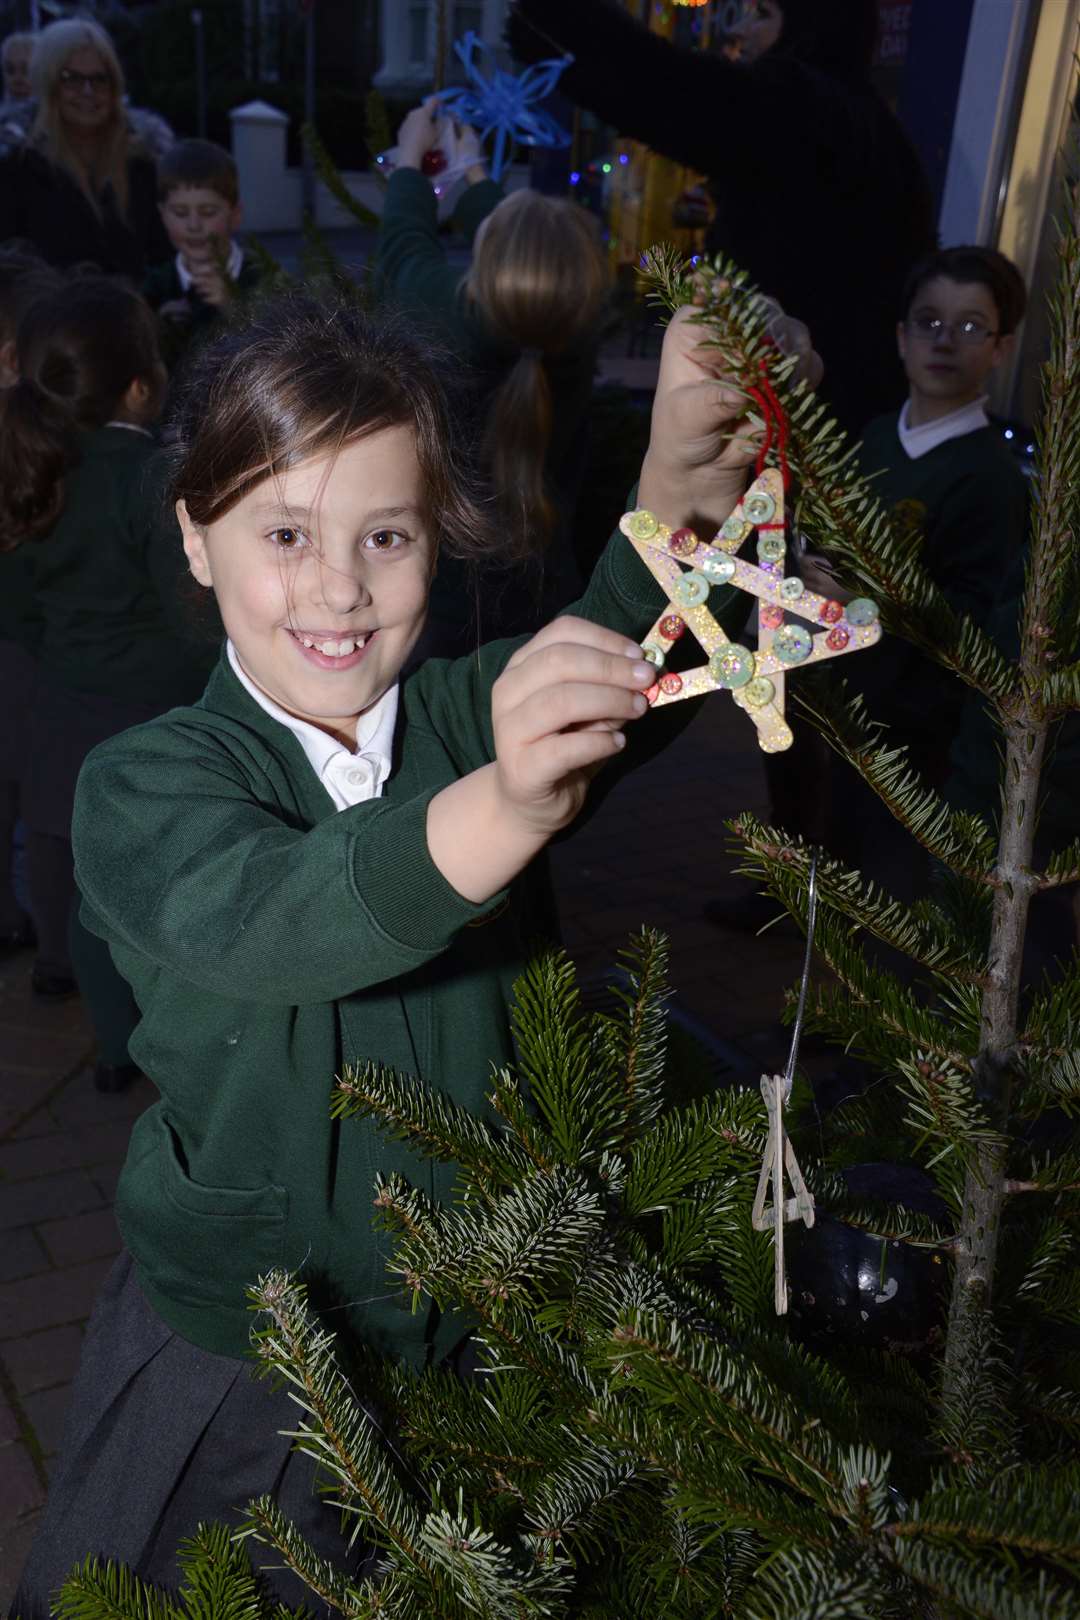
(759, 507)
(732, 666)
(719, 567)
(642, 525)
(792, 644)
(652, 654)
(734, 528)
(862, 611)
(759, 692)
(791, 588)
(691, 590)
(771, 547)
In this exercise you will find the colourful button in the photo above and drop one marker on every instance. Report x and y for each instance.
(691, 590)
(862, 611)
(791, 588)
(792, 644)
(732, 666)
(759, 507)
(771, 616)
(670, 684)
(719, 567)
(671, 627)
(837, 639)
(759, 692)
(770, 546)
(683, 542)
(641, 524)
(831, 612)
(734, 528)
(652, 653)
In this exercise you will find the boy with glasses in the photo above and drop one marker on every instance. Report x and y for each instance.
(944, 470)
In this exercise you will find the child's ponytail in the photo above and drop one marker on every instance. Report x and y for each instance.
(79, 349)
(539, 279)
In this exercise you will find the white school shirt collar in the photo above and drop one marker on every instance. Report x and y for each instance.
(918, 441)
(233, 266)
(349, 777)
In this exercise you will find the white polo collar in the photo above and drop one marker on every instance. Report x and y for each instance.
(233, 266)
(918, 441)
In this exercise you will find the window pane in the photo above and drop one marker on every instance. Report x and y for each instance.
(418, 33)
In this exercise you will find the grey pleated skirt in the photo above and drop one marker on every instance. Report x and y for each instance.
(160, 1437)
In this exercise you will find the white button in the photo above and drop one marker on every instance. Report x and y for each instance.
(359, 776)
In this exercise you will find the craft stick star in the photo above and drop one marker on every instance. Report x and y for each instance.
(687, 569)
(504, 104)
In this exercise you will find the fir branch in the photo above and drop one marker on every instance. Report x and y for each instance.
(802, 1584)
(1062, 867)
(99, 1589)
(217, 1579)
(408, 1110)
(640, 1032)
(976, 1426)
(509, 1102)
(695, 1144)
(265, 1522)
(330, 175)
(783, 863)
(1031, 1512)
(343, 1437)
(984, 1589)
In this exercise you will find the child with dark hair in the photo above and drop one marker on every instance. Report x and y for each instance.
(525, 321)
(23, 278)
(199, 201)
(324, 863)
(81, 506)
(944, 470)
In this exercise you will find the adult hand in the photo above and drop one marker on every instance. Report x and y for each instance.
(418, 133)
(209, 280)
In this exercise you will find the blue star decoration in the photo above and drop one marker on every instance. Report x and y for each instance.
(755, 680)
(504, 104)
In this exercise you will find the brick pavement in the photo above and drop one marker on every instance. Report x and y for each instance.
(652, 854)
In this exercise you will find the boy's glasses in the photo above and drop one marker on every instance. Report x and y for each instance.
(929, 327)
(71, 79)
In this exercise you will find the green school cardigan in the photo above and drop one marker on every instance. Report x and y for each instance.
(269, 940)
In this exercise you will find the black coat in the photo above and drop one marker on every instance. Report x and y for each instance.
(819, 194)
(42, 205)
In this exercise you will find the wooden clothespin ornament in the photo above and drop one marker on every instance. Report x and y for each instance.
(779, 1153)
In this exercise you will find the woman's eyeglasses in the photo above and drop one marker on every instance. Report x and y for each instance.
(930, 327)
(71, 79)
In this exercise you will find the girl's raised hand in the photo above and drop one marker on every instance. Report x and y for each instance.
(418, 133)
(701, 443)
(558, 710)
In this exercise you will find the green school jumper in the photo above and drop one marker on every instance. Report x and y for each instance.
(269, 940)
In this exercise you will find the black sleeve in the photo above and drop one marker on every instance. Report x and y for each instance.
(693, 106)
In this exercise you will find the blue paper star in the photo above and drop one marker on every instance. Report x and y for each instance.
(503, 104)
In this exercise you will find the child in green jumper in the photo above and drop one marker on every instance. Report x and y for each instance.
(322, 863)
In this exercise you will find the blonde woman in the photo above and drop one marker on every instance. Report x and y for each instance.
(78, 190)
(525, 321)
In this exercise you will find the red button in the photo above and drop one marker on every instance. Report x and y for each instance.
(772, 617)
(837, 639)
(670, 684)
(672, 627)
(830, 612)
(683, 542)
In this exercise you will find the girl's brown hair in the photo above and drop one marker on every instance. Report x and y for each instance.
(300, 378)
(55, 44)
(80, 347)
(539, 280)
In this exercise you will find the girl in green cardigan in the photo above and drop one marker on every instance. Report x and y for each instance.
(322, 863)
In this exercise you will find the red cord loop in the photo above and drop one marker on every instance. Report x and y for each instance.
(776, 427)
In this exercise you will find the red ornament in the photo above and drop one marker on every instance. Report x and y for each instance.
(837, 639)
(670, 684)
(683, 542)
(433, 162)
(830, 612)
(772, 617)
(672, 627)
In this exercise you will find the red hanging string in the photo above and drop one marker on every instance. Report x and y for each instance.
(776, 429)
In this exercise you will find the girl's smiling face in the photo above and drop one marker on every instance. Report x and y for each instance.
(322, 577)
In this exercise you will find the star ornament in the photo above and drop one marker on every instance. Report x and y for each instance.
(687, 569)
(504, 104)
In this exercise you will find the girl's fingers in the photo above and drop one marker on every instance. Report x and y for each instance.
(550, 710)
(571, 631)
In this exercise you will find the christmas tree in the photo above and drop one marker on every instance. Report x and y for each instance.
(643, 1435)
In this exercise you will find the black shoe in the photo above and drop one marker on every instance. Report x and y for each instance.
(115, 1076)
(52, 986)
(19, 938)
